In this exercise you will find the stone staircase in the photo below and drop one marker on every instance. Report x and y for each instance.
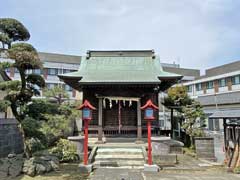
(123, 157)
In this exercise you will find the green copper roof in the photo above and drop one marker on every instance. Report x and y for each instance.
(142, 70)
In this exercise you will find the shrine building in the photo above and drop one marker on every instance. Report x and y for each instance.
(118, 83)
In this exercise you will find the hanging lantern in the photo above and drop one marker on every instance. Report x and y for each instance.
(149, 109)
(86, 108)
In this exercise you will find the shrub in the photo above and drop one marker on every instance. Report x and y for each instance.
(198, 132)
(40, 107)
(60, 125)
(56, 127)
(189, 151)
(34, 145)
(31, 127)
(237, 170)
(65, 151)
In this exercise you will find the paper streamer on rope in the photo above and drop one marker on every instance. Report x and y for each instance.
(110, 104)
(117, 99)
(122, 98)
(130, 103)
(104, 103)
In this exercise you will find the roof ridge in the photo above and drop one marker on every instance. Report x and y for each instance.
(121, 53)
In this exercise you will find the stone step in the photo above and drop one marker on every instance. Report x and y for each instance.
(118, 163)
(119, 153)
(102, 157)
(121, 156)
(115, 151)
(120, 167)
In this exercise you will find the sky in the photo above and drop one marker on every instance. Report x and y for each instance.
(195, 33)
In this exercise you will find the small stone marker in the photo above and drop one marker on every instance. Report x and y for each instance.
(151, 168)
(85, 169)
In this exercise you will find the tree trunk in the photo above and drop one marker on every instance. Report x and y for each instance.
(25, 147)
(19, 118)
(5, 114)
(23, 80)
(172, 123)
(191, 142)
(9, 45)
(14, 110)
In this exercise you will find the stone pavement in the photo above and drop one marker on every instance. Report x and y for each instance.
(116, 174)
(133, 174)
(188, 168)
(186, 163)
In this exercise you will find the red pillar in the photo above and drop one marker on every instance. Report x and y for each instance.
(149, 143)
(85, 148)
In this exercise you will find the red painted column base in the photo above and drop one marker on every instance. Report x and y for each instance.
(85, 147)
(149, 143)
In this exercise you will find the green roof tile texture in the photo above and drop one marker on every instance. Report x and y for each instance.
(120, 69)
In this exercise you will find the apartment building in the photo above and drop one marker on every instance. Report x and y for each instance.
(218, 91)
(53, 64)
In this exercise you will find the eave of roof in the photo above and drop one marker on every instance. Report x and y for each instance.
(226, 114)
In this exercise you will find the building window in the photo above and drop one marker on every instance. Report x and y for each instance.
(189, 88)
(236, 80)
(52, 71)
(222, 82)
(213, 125)
(60, 71)
(67, 71)
(16, 70)
(199, 87)
(209, 85)
(162, 117)
(68, 88)
(37, 71)
(7, 70)
(161, 123)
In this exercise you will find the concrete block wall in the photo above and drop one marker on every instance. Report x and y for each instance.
(10, 137)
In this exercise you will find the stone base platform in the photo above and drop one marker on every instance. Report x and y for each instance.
(85, 169)
(151, 168)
